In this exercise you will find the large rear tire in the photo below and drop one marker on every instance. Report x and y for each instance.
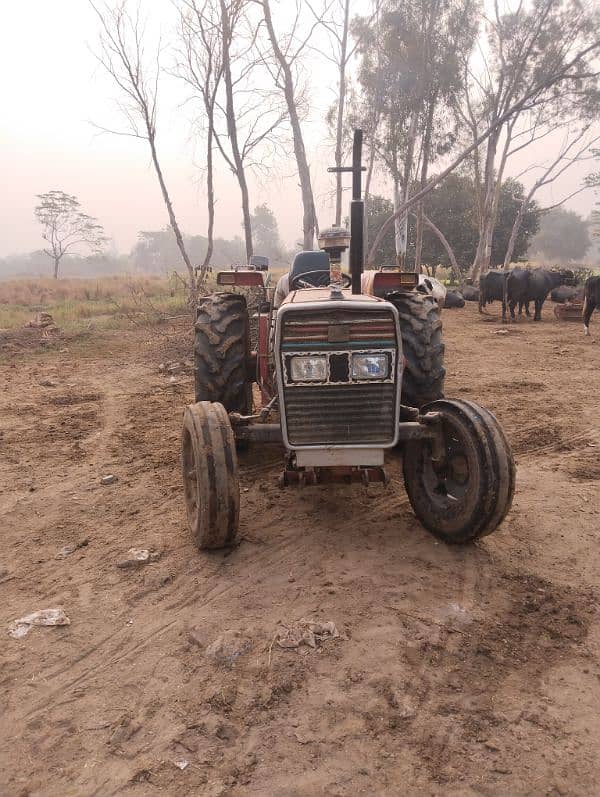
(210, 475)
(468, 494)
(422, 347)
(221, 352)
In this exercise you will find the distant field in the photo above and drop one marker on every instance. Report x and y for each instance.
(107, 302)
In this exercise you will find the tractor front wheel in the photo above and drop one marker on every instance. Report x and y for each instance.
(210, 475)
(466, 494)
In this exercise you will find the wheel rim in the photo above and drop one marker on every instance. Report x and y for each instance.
(190, 482)
(447, 482)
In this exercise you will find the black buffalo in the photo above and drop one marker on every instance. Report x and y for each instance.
(591, 300)
(566, 293)
(492, 289)
(470, 293)
(521, 286)
(541, 282)
(507, 287)
(454, 299)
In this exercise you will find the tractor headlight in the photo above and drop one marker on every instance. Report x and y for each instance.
(370, 366)
(308, 369)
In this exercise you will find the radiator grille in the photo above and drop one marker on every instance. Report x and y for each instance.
(340, 415)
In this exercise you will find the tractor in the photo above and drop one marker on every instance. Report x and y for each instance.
(341, 370)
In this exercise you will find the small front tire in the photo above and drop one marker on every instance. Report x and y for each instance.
(468, 494)
(210, 475)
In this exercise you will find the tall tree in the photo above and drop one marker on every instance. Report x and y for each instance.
(122, 55)
(287, 49)
(571, 70)
(218, 59)
(542, 51)
(201, 65)
(574, 149)
(563, 236)
(66, 228)
(266, 232)
(410, 68)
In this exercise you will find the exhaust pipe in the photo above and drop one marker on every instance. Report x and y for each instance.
(357, 212)
(357, 215)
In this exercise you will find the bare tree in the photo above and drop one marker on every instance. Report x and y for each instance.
(287, 50)
(200, 64)
(122, 54)
(571, 152)
(410, 69)
(218, 58)
(66, 227)
(562, 74)
(531, 49)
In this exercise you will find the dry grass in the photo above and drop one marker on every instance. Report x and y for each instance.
(74, 303)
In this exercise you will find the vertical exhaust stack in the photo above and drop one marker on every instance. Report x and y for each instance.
(357, 215)
(357, 212)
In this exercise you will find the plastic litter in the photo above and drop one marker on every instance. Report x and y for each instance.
(307, 632)
(21, 627)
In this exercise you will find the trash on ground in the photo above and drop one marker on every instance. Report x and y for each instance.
(228, 647)
(21, 627)
(67, 550)
(183, 764)
(501, 332)
(109, 479)
(136, 557)
(306, 632)
(176, 367)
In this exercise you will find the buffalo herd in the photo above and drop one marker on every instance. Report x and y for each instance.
(521, 287)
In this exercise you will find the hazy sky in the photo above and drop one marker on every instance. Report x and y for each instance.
(52, 90)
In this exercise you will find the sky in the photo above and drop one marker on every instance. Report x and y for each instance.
(53, 97)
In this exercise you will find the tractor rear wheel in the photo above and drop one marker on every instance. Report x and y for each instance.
(467, 494)
(210, 475)
(422, 347)
(221, 352)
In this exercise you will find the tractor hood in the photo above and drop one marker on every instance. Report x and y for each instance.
(324, 295)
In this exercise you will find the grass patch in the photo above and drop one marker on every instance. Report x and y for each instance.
(106, 303)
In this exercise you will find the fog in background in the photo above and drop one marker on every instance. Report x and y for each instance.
(53, 92)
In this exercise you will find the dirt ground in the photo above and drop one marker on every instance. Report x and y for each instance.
(458, 671)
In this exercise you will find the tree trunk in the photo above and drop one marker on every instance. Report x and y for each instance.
(399, 222)
(340, 115)
(408, 162)
(56, 266)
(171, 213)
(487, 209)
(309, 216)
(232, 128)
(210, 201)
(424, 170)
(447, 247)
(515, 231)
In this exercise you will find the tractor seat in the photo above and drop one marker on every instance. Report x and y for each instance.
(309, 261)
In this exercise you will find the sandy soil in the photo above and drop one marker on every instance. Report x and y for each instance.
(469, 671)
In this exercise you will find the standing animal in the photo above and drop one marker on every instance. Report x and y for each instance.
(591, 300)
(541, 282)
(491, 289)
(519, 288)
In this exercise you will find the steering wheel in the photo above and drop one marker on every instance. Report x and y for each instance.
(320, 279)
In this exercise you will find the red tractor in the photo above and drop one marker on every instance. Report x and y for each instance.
(349, 367)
